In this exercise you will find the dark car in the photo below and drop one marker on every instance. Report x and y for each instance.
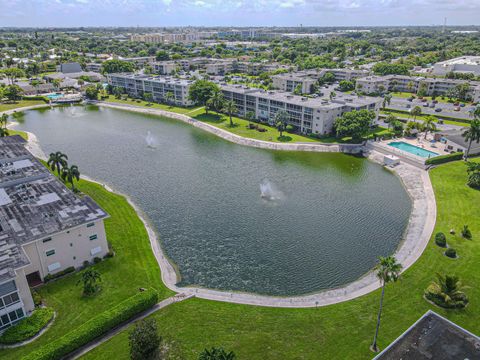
(438, 109)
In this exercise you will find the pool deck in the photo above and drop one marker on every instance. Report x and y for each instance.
(417, 235)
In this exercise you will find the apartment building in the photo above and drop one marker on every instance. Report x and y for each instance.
(170, 38)
(463, 64)
(138, 84)
(432, 86)
(307, 115)
(94, 67)
(44, 228)
(308, 78)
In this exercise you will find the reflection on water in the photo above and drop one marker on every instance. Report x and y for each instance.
(335, 216)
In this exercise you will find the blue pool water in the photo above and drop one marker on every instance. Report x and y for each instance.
(54, 96)
(412, 149)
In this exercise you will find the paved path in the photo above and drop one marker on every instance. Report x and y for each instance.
(417, 235)
(98, 341)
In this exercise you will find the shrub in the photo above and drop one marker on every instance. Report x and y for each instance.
(447, 292)
(144, 340)
(444, 158)
(96, 260)
(451, 253)
(441, 239)
(99, 325)
(37, 97)
(27, 327)
(216, 354)
(37, 299)
(50, 277)
(466, 233)
(86, 263)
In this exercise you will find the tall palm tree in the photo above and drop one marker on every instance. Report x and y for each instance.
(57, 161)
(429, 125)
(250, 116)
(217, 100)
(281, 118)
(386, 100)
(4, 132)
(416, 111)
(230, 108)
(169, 97)
(388, 270)
(70, 174)
(472, 134)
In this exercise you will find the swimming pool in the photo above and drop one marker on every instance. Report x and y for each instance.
(412, 149)
(54, 96)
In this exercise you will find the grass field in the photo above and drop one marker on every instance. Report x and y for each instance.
(132, 267)
(135, 102)
(421, 117)
(19, 104)
(406, 95)
(341, 331)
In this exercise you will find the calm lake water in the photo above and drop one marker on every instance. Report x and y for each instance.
(331, 215)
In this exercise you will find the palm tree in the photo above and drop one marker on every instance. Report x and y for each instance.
(69, 174)
(250, 116)
(216, 354)
(416, 111)
(410, 86)
(332, 95)
(429, 124)
(57, 161)
(230, 108)
(89, 279)
(217, 100)
(35, 84)
(472, 134)
(169, 97)
(281, 118)
(56, 83)
(4, 132)
(390, 120)
(388, 270)
(446, 292)
(4, 121)
(386, 100)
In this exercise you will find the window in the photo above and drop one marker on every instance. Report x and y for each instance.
(50, 252)
(10, 299)
(96, 250)
(54, 266)
(90, 224)
(93, 237)
(47, 239)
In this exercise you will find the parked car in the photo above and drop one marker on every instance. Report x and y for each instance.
(456, 103)
(462, 105)
(425, 104)
(408, 106)
(410, 99)
(435, 101)
(432, 105)
(456, 108)
(438, 109)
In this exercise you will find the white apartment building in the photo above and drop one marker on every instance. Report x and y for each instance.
(308, 78)
(169, 38)
(137, 85)
(44, 228)
(432, 86)
(463, 64)
(307, 115)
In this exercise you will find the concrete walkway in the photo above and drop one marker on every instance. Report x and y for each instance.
(417, 235)
(98, 341)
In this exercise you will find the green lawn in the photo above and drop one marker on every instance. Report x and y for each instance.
(18, 132)
(19, 104)
(341, 331)
(132, 267)
(406, 95)
(135, 102)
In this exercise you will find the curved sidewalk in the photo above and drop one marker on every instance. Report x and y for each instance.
(417, 235)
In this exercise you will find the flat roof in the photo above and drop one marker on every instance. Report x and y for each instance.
(433, 337)
(34, 204)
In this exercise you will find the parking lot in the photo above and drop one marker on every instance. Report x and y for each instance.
(446, 109)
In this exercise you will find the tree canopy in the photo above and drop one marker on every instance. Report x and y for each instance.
(355, 123)
(201, 91)
(117, 66)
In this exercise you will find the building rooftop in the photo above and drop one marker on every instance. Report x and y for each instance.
(34, 204)
(463, 60)
(433, 337)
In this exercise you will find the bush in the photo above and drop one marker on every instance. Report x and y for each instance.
(466, 233)
(86, 263)
(37, 299)
(27, 327)
(92, 329)
(441, 239)
(50, 277)
(144, 340)
(451, 253)
(37, 97)
(96, 260)
(444, 158)
(109, 254)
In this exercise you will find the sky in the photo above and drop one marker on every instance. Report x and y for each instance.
(158, 13)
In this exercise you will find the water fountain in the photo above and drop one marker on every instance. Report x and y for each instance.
(268, 191)
(150, 140)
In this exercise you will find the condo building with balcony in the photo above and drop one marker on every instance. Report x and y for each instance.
(44, 228)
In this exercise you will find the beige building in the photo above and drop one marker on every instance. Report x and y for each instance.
(44, 228)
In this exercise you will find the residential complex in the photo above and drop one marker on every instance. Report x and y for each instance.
(306, 80)
(159, 86)
(463, 64)
(44, 228)
(308, 115)
(431, 86)
(169, 38)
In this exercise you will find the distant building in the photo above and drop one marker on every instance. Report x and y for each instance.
(70, 68)
(170, 38)
(44, 228)
(433, 337)
(463, 64)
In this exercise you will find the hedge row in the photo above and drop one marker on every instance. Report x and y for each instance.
(95, 327)
(66, 271)
(37, 97)
(440, 117)
(28, 327)
(444, 158)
